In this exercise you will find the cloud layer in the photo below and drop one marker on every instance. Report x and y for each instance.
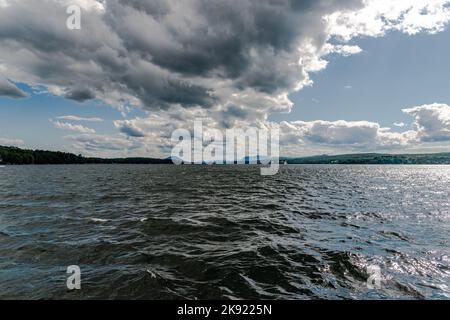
(193, 53)
(165, 53)
(230, 62)
(430, 123)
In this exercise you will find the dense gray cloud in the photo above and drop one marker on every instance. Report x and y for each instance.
(213, 54)
(157, 54)
(80, 94)
(8, 89)
(239, 40)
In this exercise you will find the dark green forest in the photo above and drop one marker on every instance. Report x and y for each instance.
(375, 158)
(17, 156)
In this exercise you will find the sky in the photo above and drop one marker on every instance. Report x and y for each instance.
(344, 76)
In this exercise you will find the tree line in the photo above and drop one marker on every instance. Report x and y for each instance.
(434, 158)
(18, 156)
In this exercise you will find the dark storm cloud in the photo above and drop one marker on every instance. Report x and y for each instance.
(80, 94)
(155, 88)
(163, 53)
(240, 40)
(8, 89)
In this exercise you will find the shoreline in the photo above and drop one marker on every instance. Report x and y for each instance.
(18, 156)
(226, 165)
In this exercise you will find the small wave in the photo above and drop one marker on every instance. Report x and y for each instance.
(98, 220)
(393, 235)
(151, 273)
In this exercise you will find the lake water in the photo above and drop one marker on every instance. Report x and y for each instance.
(173, 232)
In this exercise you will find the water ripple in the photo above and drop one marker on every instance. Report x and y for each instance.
(167, 232)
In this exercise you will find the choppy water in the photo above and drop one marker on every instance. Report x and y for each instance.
(156, 232)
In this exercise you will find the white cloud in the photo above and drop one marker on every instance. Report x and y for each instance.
(399, 124)
(344, 50)
(118, 145)
(102, 145)
(432, 125)
(72, 127)
(11, 142)
(77, 118)
(88, 5)
(356, 134)
(297, 137)
(432, 122)
(150, 136)
(377, 17)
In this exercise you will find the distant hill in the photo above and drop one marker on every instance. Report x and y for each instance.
(374, 158)
(13, 155)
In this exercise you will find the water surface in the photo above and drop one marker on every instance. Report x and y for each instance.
(225, 232)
